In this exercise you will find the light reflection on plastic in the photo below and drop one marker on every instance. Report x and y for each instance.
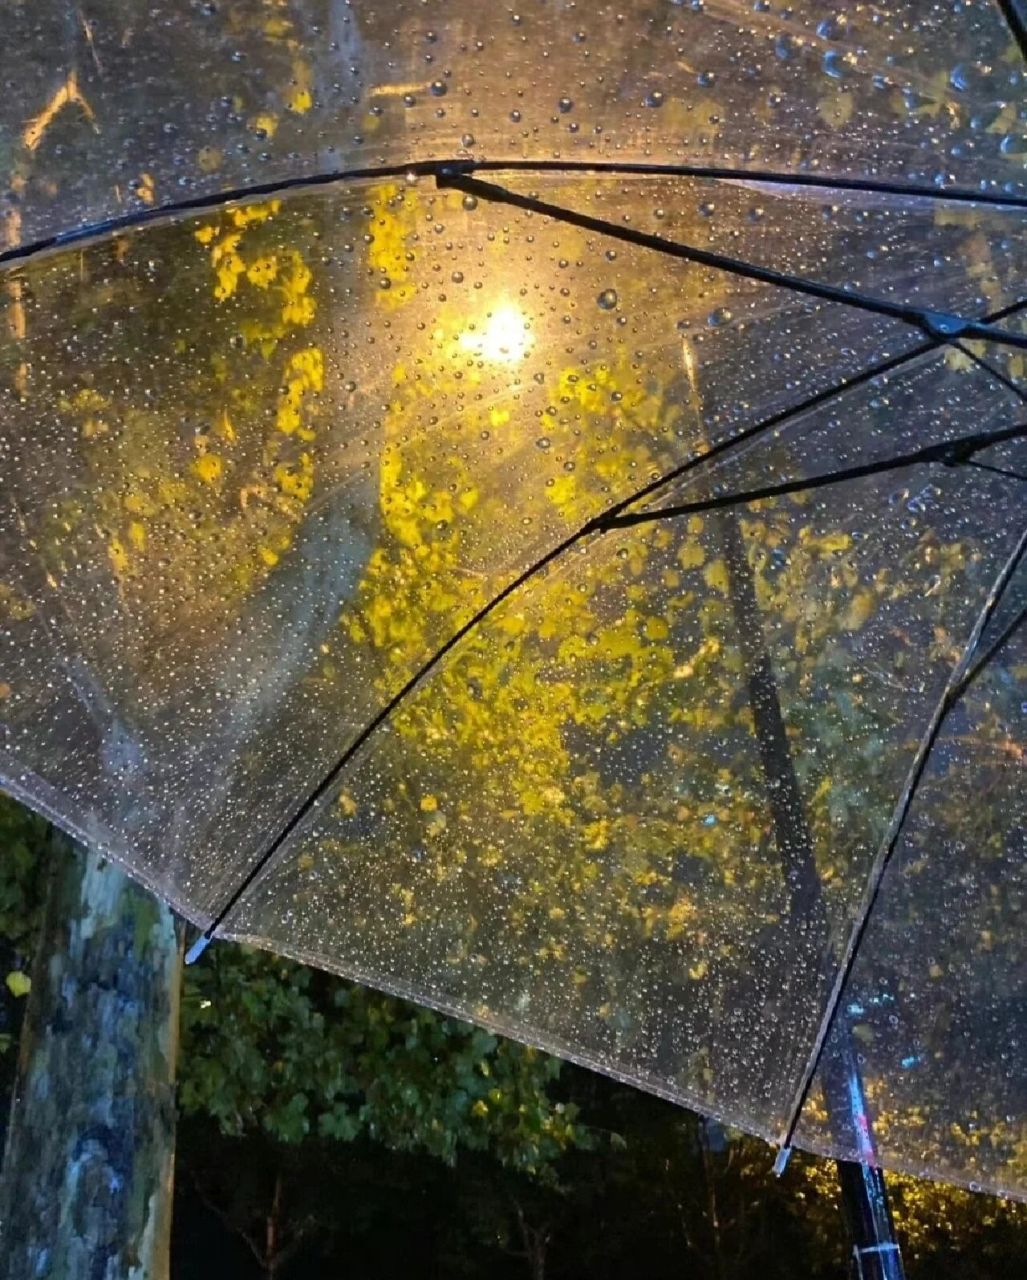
(503, 338)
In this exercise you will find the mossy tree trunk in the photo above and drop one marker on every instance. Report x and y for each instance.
(86, 1187)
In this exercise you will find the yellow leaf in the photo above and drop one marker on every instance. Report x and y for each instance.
(209, 468)
(118, 556)
(429, 804)
(860, 608)
(262, 271)
(18, 983)
(209, 160)
(834, 542)
(716, 577)
(265, 124)
(691, 555)
(224, 426)
(836, 110)
(300, 101)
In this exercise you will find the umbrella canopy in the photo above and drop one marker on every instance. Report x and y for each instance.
(525, 507)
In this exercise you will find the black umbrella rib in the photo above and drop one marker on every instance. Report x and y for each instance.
(934, 323)
(965, 672)
(998, 374)
(814, 401)
(1008, 472)
(213, 202)
(950, 453)
(992, 651)
(1016, 24)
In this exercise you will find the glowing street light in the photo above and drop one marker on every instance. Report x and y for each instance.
(504, 337)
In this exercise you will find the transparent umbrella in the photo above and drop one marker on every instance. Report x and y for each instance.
(524, 508)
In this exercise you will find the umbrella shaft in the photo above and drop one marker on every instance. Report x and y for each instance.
(875, 1251)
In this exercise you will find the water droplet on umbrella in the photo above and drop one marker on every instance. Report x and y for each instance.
(833, 28)
(565, 105)
(654, 99)
(607, 299)
(720, 316)
(834, 64)
(438, 89)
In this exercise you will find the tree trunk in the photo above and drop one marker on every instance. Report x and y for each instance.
(86, 1189)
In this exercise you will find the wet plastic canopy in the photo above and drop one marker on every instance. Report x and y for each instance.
(344, 345)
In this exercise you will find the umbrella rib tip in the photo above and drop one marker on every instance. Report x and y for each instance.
(784, 1154)
(198, 948)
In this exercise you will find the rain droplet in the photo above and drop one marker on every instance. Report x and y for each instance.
(834, 64)
(654, 99)
(470, 203)
(438, 88)
(969, 76)
(565, 105)
(720, 316)
(833, 28)
(607, 299)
